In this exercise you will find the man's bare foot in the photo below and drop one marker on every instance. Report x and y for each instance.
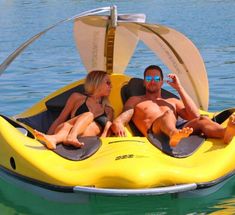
(49, 140)
(230, 130)
(73, 142)
(179, 134)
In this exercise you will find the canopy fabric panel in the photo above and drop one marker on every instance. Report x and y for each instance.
(181, 56)
(89, 33)
(91, 39)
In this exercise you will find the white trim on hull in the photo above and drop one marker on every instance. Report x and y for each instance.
(137, 192)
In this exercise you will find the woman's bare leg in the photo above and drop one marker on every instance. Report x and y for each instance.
(92, 130)
(78, 128)
(167, 124)
(61, 134)
(52, 140)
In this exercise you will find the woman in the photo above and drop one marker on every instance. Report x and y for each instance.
(90, 114)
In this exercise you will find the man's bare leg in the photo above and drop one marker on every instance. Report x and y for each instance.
(204, 125)
(230, 130)
(167, 124)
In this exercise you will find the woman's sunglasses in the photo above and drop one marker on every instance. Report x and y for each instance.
(149, 78)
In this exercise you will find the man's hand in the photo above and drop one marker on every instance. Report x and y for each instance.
(186, 108)
(118, 129)
(175, 82)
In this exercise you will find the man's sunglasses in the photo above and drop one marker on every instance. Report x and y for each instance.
(149, 78)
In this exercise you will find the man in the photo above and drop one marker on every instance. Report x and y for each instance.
(151, 111)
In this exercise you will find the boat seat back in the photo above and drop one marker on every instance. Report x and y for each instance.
(41, 121)
(135, 87)
(58, 102)
(55, 105)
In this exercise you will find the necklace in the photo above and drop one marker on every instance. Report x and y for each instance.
(97, 100)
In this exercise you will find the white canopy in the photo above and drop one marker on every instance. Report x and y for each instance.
(106, 47)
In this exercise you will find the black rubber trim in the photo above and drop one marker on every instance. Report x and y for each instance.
(65, 189)
(215, 182)
(15, 124)
(223, 115)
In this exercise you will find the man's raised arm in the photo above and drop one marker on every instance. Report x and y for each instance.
(188, 110)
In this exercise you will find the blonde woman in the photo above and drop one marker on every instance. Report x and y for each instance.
(89, 114)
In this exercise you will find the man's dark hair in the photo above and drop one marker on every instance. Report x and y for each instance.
(154, 67)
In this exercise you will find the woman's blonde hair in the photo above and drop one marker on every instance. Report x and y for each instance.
(93, 80)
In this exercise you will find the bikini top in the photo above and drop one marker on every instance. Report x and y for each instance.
(101, 119)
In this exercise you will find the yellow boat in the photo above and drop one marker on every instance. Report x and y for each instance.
(132, 165)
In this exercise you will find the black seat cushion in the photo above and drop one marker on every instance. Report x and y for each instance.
(185, 147)
(41, 121)
(91, 145)
(223, 115)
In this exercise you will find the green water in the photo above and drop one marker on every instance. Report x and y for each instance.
(15, 200)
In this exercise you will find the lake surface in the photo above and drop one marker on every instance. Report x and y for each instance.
(53, 62)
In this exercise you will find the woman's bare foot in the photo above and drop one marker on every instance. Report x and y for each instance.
(230, 130)
(73, 141)
(179, 134)
(49, 140)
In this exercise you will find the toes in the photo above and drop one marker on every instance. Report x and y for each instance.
(38, 133)
(186, 131)
(190, 130)
(77, 144)
(51, 146)
(232, 119)
(74, 143)
(80, 144)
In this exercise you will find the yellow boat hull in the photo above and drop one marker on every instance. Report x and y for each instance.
(130, 162)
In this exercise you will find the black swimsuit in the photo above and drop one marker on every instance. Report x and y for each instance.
(101, 119)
